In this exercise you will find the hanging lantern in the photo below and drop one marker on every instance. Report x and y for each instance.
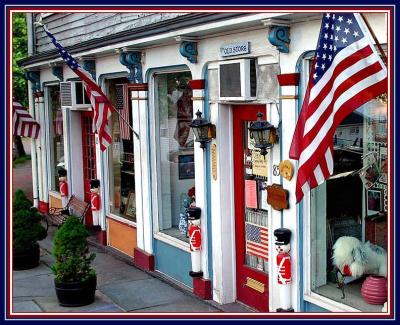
(202, 129)
(261, 131)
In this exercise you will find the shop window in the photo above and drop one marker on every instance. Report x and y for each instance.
(352, 202)
(175, 154)
(121, 154)
(56, 133)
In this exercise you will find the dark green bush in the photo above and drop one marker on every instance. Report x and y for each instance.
(71, 251)
(27, 229)
(20, 201)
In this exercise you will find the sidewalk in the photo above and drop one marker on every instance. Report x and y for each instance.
(120, 288)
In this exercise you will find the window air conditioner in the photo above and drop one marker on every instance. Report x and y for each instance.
(237, 80)
(73, 96)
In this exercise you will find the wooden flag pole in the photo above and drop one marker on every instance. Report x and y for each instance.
(384, 57)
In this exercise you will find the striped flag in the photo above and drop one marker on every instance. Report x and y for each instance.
(122, 104)
(256, 240)
(346, 73)
(24, 124)
(100, 103)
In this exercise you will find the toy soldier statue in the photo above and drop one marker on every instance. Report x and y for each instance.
(193, 214)
(282, 244)
(62, 179)
(95, 201)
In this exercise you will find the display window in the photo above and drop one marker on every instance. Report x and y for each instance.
(56, 133)
(175, 154)
(122, 199)
(347, 235)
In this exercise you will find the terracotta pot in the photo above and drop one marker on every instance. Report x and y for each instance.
(374, 290)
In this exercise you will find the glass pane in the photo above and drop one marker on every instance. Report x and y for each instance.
(175, 151)
(255, 201)
(122, 168)
(56, 133)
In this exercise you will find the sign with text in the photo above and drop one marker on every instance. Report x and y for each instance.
(235, 49)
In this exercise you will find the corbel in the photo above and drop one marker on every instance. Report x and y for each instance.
(133, 60)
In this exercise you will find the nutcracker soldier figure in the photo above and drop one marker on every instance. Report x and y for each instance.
(95, 202)
(62, 182)
(193, 214)
(282, 244)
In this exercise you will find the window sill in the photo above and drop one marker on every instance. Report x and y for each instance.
(121, 220)
(328, 304)
(172, 241)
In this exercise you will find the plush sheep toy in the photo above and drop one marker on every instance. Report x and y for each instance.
(354, 258)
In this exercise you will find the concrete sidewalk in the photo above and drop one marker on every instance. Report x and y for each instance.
(120, 288)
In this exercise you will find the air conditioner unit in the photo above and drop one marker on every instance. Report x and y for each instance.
(237, 80)
(73, 96)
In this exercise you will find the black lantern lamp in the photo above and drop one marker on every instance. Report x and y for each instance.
(260, 131)
(202, 129)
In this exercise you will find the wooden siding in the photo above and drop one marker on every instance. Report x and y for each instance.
(74, 28)
(121, 236)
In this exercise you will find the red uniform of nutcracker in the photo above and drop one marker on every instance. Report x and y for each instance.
(282, 243)
(62, 178)
(95, 202)
(193, 214)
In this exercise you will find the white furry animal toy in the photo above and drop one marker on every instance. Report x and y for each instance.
(354, 258)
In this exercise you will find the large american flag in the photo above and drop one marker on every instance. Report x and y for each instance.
(256, 240)
(24, 124)
(99, 101)
(347, 72)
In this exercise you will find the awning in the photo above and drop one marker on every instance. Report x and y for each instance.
(24, 124)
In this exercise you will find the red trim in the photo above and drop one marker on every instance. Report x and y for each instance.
(102, 237)
(43, 207)
(138, 87)
(197, 84)
(288, 79)
(120, 222)
(202, 288)
(143, 260)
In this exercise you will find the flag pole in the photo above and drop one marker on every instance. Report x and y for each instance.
(384, 57)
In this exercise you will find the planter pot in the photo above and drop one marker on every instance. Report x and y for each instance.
(27, 259)
(374, 290)
(75, 294)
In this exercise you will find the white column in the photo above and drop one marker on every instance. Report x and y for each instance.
(40, 146)
(34, 160)
(200, 184)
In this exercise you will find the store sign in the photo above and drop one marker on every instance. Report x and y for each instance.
(235, 49)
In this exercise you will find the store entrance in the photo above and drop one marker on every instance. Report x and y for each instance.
(89, 159)
(251, 216)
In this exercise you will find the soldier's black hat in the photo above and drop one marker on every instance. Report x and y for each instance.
(62, 172)
(193, 213)
(282, 236)
(94, 183)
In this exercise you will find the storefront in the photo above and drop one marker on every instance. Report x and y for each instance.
(229, 67)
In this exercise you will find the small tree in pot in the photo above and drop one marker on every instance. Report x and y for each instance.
(75, 279)
(27, 231)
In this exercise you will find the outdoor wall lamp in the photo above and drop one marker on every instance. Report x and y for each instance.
(263, 133)
(203, 130)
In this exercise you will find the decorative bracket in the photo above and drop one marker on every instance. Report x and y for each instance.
(133, 60)
(58, 72)
(90, 66)
(34, 78)
(189, 50)
(279, 37)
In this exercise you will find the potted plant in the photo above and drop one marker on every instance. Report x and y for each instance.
(75, 279)
(27, 231)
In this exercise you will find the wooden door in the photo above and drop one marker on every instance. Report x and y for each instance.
(89, 159)
(251, 221)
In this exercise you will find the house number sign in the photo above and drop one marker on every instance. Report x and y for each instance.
(235, 49)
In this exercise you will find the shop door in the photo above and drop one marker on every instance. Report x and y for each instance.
(89, 159)
(251, 218)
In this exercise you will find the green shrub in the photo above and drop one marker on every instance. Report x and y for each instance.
(27, 229)
(71, 251)
(20, 201)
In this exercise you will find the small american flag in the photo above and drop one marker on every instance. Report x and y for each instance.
(24, 124)
(122, 104)
(346, 73)
(100, 103)
(256, 240)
